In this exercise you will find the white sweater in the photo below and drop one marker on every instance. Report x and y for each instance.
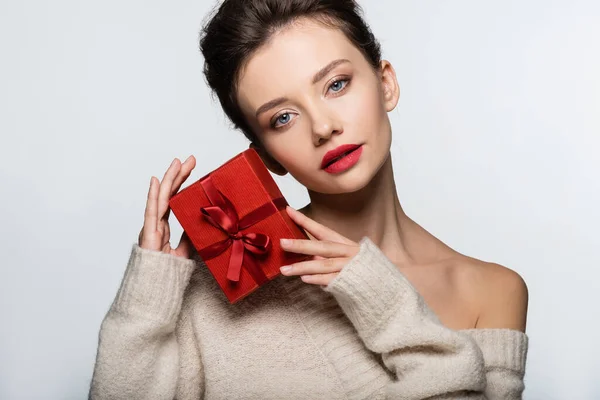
(171, 334)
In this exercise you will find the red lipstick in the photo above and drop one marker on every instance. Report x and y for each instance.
(341, 158)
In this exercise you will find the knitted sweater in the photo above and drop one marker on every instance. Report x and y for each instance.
(171, 334)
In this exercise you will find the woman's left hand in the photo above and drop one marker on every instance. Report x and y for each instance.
(330, 251)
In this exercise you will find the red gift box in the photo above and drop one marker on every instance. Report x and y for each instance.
(234, 217)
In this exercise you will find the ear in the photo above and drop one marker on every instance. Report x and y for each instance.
(269, 161)
(389, 85)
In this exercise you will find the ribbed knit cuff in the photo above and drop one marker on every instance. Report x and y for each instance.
(153, 285)
(369, 288)
(502, 348)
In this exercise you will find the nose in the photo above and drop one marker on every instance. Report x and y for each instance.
(325, 124)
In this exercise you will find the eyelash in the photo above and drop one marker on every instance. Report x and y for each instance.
(342, 90)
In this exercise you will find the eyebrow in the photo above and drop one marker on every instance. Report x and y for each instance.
(316, 78)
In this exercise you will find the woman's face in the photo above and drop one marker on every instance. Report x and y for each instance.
(308, 91)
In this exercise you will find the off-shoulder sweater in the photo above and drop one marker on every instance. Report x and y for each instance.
(170, 333)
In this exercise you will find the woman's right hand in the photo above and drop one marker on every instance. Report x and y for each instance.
(155, 233)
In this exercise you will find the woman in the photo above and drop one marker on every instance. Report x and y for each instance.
(382, 310)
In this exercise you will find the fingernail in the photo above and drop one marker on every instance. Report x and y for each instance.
(285, 269)
(285, 242)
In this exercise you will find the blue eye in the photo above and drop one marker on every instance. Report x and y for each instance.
(337, 86)
(281, 120)
(284, 118)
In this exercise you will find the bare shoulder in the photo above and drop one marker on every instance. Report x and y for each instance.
(499, 293)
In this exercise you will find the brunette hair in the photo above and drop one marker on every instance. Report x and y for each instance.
(240, 27)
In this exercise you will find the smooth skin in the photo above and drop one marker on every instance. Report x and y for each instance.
(305, 92)
(156, 233)
(464, 292)
(310, 89)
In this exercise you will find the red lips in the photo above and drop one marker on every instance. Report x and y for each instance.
(338, 152)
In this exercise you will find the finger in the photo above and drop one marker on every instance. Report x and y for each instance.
(186, 169)
(165, 188)
(319, 231)
(321, 279)
(311, 267)
(166, 231)
(321, 248)
(151, 214)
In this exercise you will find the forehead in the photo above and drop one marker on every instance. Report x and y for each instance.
(288, 61)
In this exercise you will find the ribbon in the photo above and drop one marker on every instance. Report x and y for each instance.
(222, 214)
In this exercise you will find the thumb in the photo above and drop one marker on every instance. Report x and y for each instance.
(185, 245)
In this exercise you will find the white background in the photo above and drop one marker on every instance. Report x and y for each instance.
(496, 152)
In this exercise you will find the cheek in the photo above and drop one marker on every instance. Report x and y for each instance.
(292, 160)
(364, 110)
(291, 150)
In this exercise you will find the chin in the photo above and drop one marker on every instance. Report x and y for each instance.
(350, 181)
(355, 180)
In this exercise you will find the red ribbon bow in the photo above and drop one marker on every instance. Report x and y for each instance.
(222, 215)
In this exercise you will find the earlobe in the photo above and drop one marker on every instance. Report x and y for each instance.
(269, 161)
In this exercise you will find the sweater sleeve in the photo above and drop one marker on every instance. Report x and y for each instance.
(429, 360)
(139, 354)
(505, 355)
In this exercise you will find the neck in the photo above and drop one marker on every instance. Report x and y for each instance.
(372, 211)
